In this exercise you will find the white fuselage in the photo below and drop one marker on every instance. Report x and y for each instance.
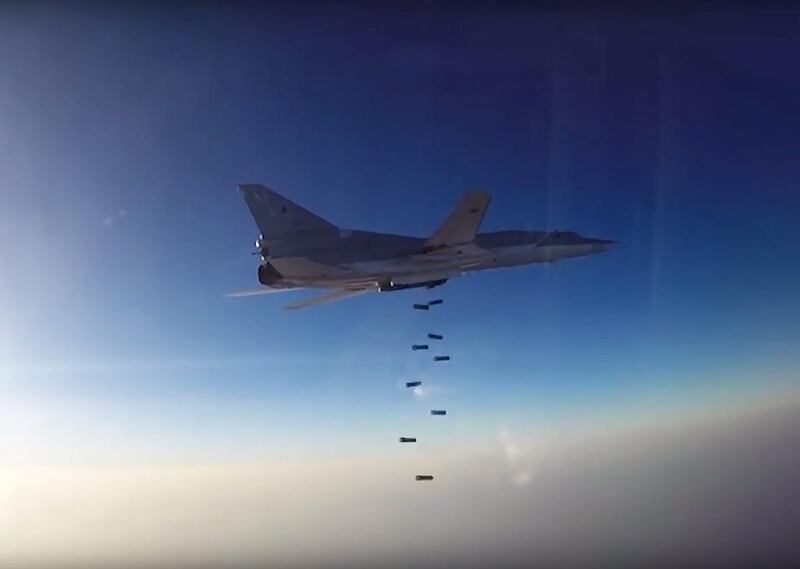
(433, 265)
(300, 249)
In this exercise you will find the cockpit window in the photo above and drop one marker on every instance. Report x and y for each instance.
(561, 238)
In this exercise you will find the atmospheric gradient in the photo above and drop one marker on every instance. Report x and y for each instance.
(635, 407)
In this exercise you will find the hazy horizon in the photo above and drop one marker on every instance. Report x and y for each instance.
(634, 407)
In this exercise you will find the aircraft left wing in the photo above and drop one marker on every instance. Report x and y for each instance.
(462, 225)
(338, 294)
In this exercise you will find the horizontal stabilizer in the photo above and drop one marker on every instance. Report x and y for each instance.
(462, 225)
(338, 294)
(260, 291)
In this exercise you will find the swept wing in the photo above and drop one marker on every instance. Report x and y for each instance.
(338, 294)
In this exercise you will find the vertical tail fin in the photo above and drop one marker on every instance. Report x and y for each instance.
(462, 225)
(282, 222)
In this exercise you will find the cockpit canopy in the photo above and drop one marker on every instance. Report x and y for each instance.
(562, 238)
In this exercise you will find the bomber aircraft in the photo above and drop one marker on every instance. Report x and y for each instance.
(300, 250)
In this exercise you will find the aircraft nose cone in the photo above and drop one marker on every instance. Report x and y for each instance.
(602, 245)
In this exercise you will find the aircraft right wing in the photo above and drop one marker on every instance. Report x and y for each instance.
(462, 225)
(338, 294)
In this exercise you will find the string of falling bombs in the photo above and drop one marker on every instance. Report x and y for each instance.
(413, 384)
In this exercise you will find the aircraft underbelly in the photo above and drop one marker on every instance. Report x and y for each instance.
(401, 271)
(434, 264)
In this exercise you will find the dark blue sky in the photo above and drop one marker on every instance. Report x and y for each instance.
(124, 130)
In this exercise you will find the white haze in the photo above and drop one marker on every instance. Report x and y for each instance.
(699, 492)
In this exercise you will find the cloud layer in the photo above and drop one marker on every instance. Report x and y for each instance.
(701, 492)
